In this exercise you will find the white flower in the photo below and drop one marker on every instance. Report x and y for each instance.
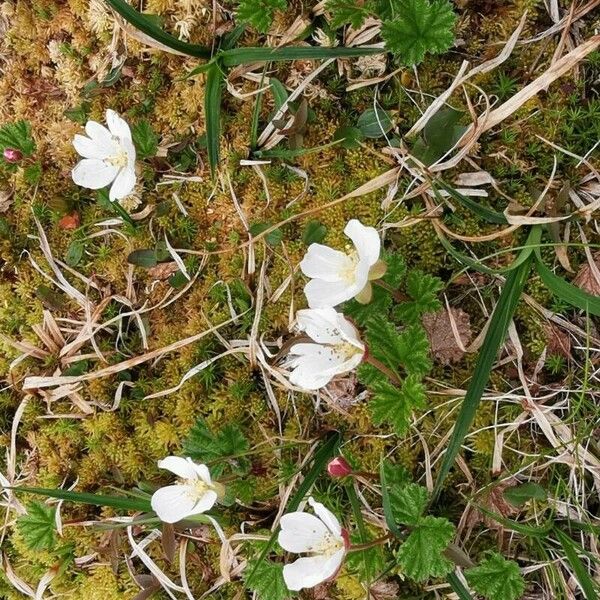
(337, 276)
(194, 494)
(321, 537)
(336, 349)
(108, 157)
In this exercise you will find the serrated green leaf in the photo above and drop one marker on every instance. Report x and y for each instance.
(421, 555)
(17, 135)
(413, 350)
(267, 580)
(145, 139)
(408, 503)
(497, 578)
(38, 526)
(423, 289)
(374, 123)
(259, 13)
(347, 12)
(394, 405)
(518, 495)
(205, 446)
(421, 26)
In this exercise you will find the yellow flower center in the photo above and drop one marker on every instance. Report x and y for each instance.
(348, 273)
(197, 488)
(119, 160)
(346, 350)
(328, 546)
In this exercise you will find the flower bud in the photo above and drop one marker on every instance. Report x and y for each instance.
(12, 155)
(339, 467)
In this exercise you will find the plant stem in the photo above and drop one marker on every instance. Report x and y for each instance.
(396, 294)
(376, 542)
(381, 367)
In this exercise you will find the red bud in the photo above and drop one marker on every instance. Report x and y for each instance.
(12, 155)
(339, 467)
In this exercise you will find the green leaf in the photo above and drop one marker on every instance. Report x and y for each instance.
(74, 253)
(212, 112)
(347, 12)
(85, 498)
(266, 579)
(145, 139)
(458, 588)
(314, 233)
(374, 123)
(17, 136)
(518, 495)
(566, 291)
(280, 94)
(350, 136)
(272, 238)
(408, 503)
(146, 24)
(408, 348)
(392, 477)
(423, 289)
(259, 13)
(246, 55)
(497, 578)
(144, 258)
(37, 526)
(207, 447)
(501, 318)
(421, 26)
(421, 556)
(440, 135)
(572, 551)
(394, 405)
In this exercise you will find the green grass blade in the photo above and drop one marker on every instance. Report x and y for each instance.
(147, 26)
(325, 452)
(487, 214)
(566, 291)
(241, 56)
(85, 498)
(212, 112)
(581, 573)
(360, 523)
(458, 588)
(501, 317)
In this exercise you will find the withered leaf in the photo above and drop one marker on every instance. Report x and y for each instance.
(163, 271)
(443, 345)
(586, 278)
(558, 341)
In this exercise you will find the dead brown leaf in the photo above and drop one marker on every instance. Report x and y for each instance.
(558, 340)
(384, 590)
(440, 327)
(163, 271)
(586, 278)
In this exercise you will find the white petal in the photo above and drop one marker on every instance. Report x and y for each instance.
(129, 148)
(327, 517)
(202, 473)
(314, 365)
(89, 148)
(309, 571)
(325, 263)
(99, 134)
(321, 294)
(365, 239)
(123, 185)
(118, 126)
(327, 326)
(301, 532)
(176, 502)
(93, 173)
(185, 468)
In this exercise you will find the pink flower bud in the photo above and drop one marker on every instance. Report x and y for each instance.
(339, 467)
(12, 155)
